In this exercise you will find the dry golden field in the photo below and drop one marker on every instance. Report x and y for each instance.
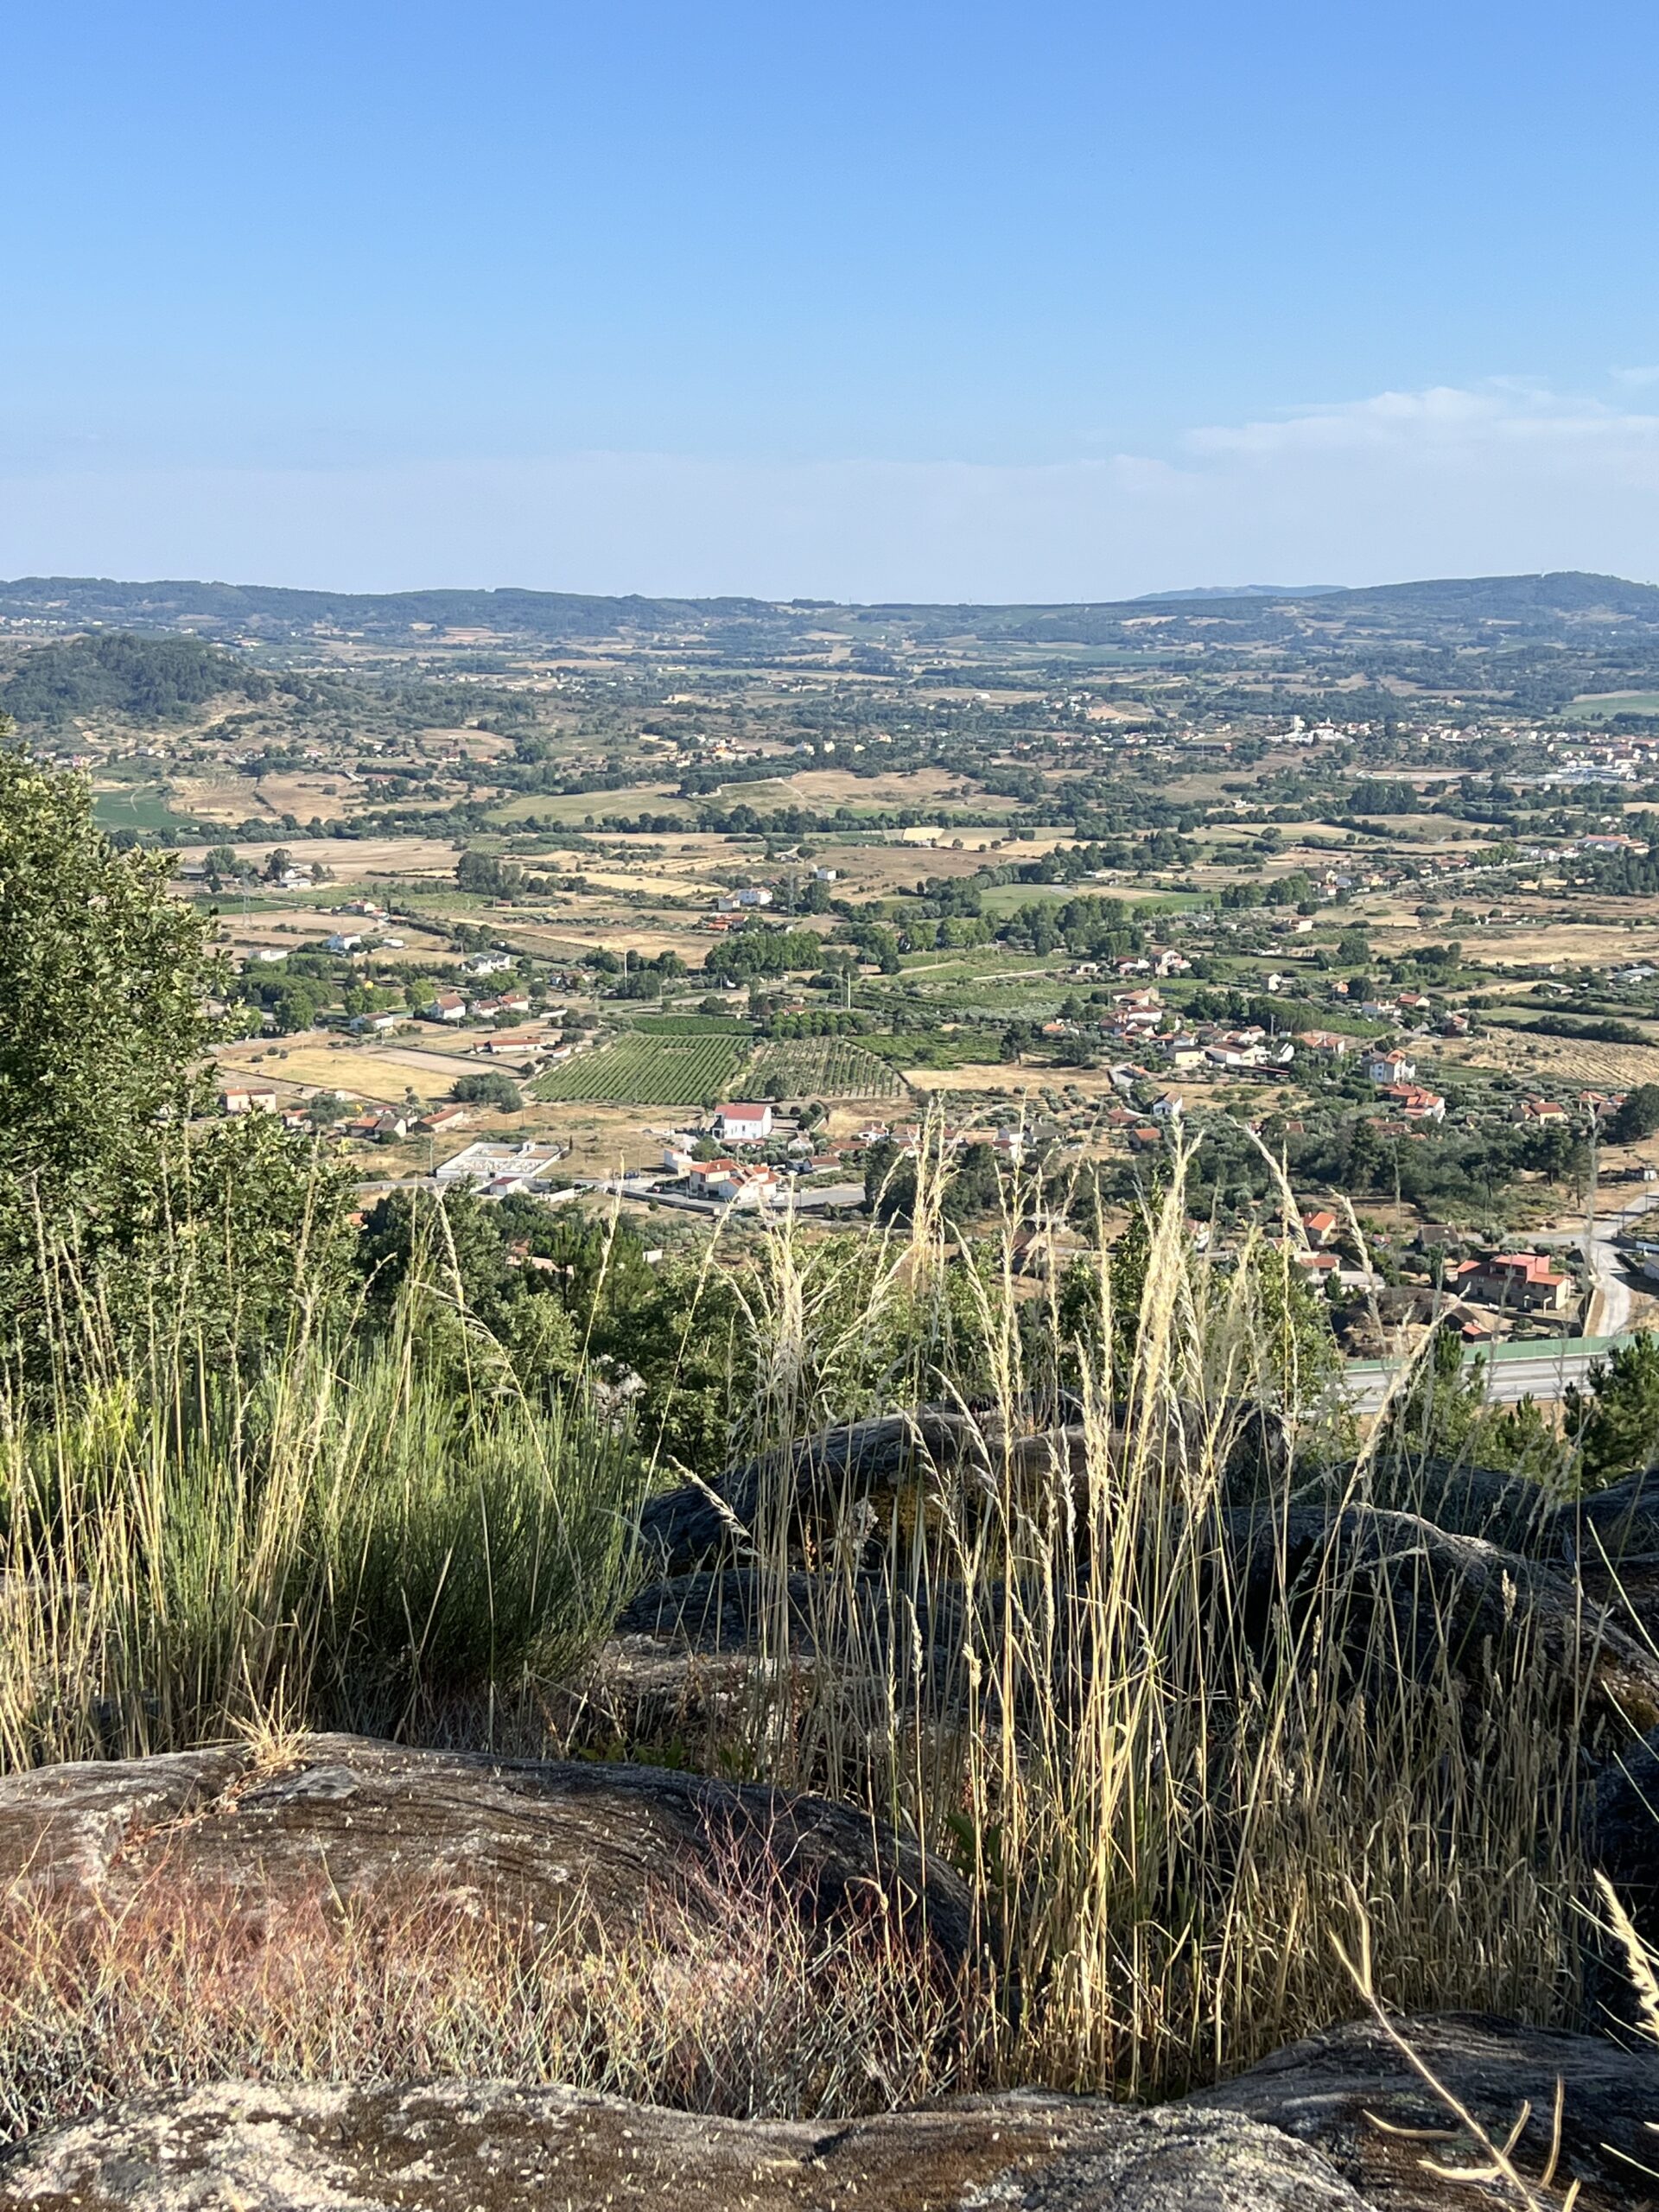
(355, 1070)
(356, 859)
(1556, 1061)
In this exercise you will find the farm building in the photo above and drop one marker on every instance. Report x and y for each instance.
(743, 1124)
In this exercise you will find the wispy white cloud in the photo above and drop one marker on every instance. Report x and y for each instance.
(1508, 475)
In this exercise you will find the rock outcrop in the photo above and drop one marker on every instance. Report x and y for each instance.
(1339, 2123)
(463, 2147)
(1352, 2092)
(369, 1821)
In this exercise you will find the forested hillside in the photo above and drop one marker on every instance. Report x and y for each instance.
(144, 679)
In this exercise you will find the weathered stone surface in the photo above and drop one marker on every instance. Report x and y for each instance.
(369, 1820)
(696, 1651)
(841, 1478)
(1622, 1833)
(1446, 1595)
(695, 1525)
(1619, 1522)
(1511, 1511)
(1332, 2090)
(463, 2147)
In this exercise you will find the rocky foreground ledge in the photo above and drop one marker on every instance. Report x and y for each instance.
(1333, 2124)
(575, 1844)
(1340, 2123)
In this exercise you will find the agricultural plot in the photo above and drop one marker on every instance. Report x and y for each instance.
(691, 1025)
(647, 1070)
(143, 807)
(826, 1067)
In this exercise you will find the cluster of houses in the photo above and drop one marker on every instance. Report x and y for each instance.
(1506, 1285)
(1546, 1113)
(728, 1178)
(1138, 1017)
(1159, 960)
(373, 1125)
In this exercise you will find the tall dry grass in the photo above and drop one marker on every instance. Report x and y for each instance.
(721, 1999)
(346, 1537)
(1164, 1775)
(1165, 1760)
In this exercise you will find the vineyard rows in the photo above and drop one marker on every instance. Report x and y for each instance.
(826, 1067)
(642, 1070)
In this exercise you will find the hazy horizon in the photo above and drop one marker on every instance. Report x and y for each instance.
(430, 588)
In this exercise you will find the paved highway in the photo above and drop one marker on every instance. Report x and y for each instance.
(1543, 1374)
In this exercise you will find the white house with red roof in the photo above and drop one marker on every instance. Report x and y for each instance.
(743, 1124)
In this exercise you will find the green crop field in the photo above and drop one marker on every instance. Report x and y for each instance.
(691, 1025)
(826, 1067)
(646, 1070)
(1600, 706)
(142, 807)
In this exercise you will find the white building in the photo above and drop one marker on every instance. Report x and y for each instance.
(749, 1186)
(743, 1124)
(1391, 1067)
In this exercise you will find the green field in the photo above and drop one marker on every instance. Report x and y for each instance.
(1600, 706)
(938, 1048)
(143, 806)
(977, 962)
(691, 1025)
(651, 1070)
(826, 1067)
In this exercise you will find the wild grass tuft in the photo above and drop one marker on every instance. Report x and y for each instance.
(1164, 1756)
(721, 1999)
(342, 1538)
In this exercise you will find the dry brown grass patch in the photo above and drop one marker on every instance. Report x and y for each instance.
(723, 1999)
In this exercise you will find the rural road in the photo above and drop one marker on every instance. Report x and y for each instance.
(1543, 1374)
(1612, 1299)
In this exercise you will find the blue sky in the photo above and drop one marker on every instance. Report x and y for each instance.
(899, 300)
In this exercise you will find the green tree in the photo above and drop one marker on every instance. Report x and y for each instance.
(1445, 1404)
(104, 991)
(113, 1199)
(490, 1088)
(297, 1003)
(1615, 1419)
(487, 876)
(1638, 1118)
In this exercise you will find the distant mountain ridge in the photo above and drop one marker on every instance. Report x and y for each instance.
(1540, 644)
(1240, 591)
(1448, 609)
